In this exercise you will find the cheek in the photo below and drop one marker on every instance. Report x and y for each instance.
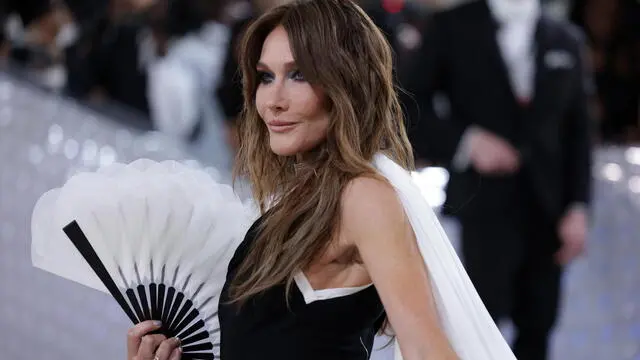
(319, 126)
(309, 103)
(260, 102)
(315, 115)
(315, 129)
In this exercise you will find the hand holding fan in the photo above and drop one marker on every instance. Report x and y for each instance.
(156, 236)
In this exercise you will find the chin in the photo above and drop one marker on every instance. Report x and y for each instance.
(283, 149)
(283, 152)
(287, 145)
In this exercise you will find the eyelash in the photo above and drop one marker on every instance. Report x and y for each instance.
(266, 77)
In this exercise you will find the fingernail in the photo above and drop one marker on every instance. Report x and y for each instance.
(177, 340)
(157, 323)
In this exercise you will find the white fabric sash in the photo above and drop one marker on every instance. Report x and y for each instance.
(466, 321)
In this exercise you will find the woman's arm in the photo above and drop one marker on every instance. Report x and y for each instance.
(373, 219)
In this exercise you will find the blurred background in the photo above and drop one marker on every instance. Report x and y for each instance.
(84, 83)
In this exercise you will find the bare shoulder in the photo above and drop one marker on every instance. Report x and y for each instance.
(370, 194)
(371, 205)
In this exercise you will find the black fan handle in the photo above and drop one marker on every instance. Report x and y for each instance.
(79, 239)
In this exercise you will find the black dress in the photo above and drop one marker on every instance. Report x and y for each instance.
(264, 327)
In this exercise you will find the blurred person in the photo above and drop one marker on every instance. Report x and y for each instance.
(516, 139)
(109, 61)
(39, 24)
(613, 32)
(33, 35)
(183, 80)
(402, 22)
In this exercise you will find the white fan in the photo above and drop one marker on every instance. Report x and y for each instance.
(157, 236)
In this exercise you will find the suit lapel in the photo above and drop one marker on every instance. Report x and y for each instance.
(489, 30)
(542, 45)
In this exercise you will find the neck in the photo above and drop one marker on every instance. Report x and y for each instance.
(310, 160)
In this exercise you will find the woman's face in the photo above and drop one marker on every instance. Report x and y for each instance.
(291, 108)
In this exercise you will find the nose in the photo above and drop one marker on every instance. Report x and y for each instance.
(277, 101)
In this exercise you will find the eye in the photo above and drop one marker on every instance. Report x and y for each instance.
(296, 75)
(264, 77)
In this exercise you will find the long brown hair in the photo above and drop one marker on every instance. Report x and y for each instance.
(338, 48)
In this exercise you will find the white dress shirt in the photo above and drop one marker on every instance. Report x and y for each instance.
(516, 37)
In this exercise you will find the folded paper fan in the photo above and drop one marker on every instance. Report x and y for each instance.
(157, 236)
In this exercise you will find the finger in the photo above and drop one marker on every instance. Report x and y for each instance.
(515, 161)
(561, 256)
(149, 345)
(572, 254)
(567, 253)
(491, 161)
(507, 148)
(166, 348)
(509, 157)
(176, 354)
(513, 166)
(135, 334)
(577, 249)
(506, 166)
(484, 167)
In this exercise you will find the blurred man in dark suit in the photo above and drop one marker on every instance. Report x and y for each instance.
(517, 144)
(612, 28)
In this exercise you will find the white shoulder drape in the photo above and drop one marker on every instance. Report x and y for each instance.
(467, 323)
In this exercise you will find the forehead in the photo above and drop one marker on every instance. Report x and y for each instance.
(276, 49)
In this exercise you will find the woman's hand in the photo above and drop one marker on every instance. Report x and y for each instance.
(144, 346)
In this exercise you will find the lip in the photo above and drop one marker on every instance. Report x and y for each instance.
(279, 126)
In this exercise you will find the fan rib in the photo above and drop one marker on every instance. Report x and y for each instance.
(197, 347)
(174, 309)
(142, 293)
(153, 295)
(193, 328)
(177, 324)
(136, 305)
(186, 321)
(167, 305)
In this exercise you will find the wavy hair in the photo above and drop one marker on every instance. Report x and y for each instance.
(339, 49)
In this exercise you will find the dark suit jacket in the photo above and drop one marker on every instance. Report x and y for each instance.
(461, 59)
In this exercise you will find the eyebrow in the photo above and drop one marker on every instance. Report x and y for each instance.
(287, 65)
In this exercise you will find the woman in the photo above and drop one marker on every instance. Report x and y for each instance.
(334, 258)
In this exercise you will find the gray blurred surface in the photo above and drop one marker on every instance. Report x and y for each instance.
(44, 138)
